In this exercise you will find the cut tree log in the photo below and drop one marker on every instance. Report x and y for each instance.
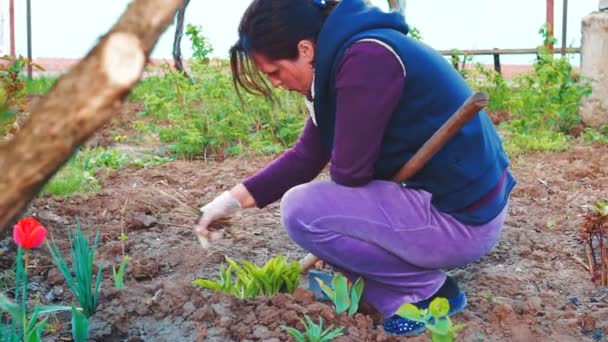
(81, 102)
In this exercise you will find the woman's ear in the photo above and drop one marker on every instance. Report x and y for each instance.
(306, 50)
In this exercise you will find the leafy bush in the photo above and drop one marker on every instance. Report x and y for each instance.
(543, 104)
(201, 116)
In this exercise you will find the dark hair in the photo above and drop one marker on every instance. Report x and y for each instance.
(273, 28)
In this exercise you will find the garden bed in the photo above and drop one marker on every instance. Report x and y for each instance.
(531, 287)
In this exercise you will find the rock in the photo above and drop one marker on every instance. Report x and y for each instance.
(54, 277)
(261, 332)
(188, 308)
(99, 330)
(144, 220)
(502, 313)
(55, 294)
(202, 314)
(220, 309)
(50, 217)
(532, 306)
(216, 332)
(225, 322)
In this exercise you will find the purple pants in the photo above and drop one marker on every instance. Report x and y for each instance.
(391, 236)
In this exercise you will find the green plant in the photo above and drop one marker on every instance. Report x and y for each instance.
(344, 295)
(250, 281)
(80, 325)
(415, 33)
(40, 85)
(120, 274)
(591, 135)
(71, 180)
(313, 332)
(435, 318)
(200, 43)
(543, 104)
(82, 255)
(201, 116)
(23, 325)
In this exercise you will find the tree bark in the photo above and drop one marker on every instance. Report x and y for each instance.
(177, 40)
(81, 102)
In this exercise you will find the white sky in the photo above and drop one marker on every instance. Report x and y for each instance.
(69, 28)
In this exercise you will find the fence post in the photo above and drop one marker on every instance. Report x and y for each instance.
(455, 61)
(497, 67)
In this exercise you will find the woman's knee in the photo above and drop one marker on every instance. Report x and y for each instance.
(297, 210)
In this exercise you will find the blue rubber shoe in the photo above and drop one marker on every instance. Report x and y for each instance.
(400, 326)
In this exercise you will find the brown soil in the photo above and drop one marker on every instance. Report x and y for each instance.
(531, 287)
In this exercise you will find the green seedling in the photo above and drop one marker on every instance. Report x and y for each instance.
(344, 295)
(120, 274)
(313, 332)
(249, 281)
(435, 318)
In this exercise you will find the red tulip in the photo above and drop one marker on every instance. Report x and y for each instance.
(29, 233)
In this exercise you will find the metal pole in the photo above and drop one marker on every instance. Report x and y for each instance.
(29, 39)
(564, 27)
(11, 14)
(550, 21)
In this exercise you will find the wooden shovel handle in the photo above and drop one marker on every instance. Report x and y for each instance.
(464, 114)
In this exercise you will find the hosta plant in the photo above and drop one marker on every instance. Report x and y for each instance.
(313, 332)
(435, 318)
(249, 281)
(343, 294)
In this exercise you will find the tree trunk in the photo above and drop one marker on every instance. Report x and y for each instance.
(81, 102)
(177, 41)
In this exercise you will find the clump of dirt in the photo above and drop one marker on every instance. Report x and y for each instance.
(188, 313)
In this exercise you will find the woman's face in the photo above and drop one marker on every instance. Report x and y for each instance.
(292, 75)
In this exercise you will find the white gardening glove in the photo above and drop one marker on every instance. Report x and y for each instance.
(222, 206)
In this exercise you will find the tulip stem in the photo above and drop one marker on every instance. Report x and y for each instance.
(26, 260)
